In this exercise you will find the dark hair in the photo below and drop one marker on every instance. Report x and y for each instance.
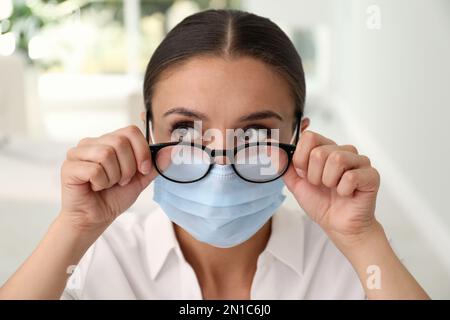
(230, 33)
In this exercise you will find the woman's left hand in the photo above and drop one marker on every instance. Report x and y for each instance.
(336, 187)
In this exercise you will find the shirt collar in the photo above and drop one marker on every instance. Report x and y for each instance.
(161, 240)
(286, 241)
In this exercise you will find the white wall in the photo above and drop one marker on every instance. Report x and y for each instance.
(12, 99)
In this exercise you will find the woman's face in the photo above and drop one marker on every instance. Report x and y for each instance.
(241, 93)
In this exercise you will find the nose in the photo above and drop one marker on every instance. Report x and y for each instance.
(220, 157)
(218, 143)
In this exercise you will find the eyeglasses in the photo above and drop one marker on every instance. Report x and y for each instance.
(257, 162)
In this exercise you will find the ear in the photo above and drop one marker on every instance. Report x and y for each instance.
(143, 116)
(304, 124)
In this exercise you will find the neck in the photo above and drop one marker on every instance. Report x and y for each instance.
(220, 267)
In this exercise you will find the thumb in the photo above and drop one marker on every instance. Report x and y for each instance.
(122, 197)
(292, 178)
(138, 183)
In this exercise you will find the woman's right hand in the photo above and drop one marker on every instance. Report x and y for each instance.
(102, 177)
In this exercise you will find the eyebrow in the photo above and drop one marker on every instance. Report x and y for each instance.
(186, 112)
(261, 115)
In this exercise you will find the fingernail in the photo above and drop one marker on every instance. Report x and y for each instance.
(124, 183)
(300, 172)
(146, 167)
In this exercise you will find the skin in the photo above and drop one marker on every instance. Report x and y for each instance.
(103, 176)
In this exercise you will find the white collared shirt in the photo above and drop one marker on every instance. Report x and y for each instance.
(138, 257)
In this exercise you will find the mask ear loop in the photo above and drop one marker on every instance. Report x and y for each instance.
(148, 128)
(296, 134)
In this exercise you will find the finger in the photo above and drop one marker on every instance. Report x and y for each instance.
(363, 179)
(104, 155)
(140, 148)
(350, 148)
(338, 162)
(317, 160)
(291, 178)
(120, 198)
(124, 153)
(81, 172)
(137, 184)
(308, 141)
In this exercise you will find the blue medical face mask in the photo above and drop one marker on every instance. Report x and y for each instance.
(221, 209)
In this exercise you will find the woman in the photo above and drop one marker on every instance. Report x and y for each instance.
(219, 231)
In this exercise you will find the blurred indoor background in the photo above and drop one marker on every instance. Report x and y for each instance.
(378, 75)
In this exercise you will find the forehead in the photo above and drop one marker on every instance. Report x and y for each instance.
(223, 87)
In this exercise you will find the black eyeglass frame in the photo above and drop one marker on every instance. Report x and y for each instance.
(288, 148)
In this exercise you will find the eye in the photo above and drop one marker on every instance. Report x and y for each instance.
(255, 134)
(184, 130)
